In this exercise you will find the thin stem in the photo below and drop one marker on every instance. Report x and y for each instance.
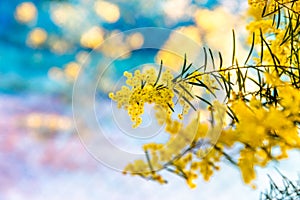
(235, 68)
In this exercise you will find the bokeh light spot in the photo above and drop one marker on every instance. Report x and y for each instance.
(55, 73)
(109, 12)
(92, 37)
(174, 42)
(59, 46)
(135, 40)
(72, 70)
(25, 12)
(36, 37)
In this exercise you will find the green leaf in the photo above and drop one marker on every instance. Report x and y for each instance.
(212, 58)
(221, 60)
(217, 79)
(262, 48)
(274, 57)
(190, 65)
(233, 114)
(185, 99)
(148, 160)
(233, 52)
(201, 84)
(205, 58)
(203, 100)
(170, 107)
(184, 65)
(251, 49)
(186, 90)
(159, 73)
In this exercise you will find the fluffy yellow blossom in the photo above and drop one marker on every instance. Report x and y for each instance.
(262, 130)
(145, 88)
(177, 155)
(246, 164)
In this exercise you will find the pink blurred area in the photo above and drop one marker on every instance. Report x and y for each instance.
(30, 151)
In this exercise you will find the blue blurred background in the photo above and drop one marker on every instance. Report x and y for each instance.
(43, 44)
(39, 35)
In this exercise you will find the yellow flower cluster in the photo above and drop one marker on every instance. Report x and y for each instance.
(265, 130)
(145, 88)
(246, 163)
(160, 90)
(261, 130)
(273, 33)
(290, 96)
(266, 133)
(272, 4)
(188, 152)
